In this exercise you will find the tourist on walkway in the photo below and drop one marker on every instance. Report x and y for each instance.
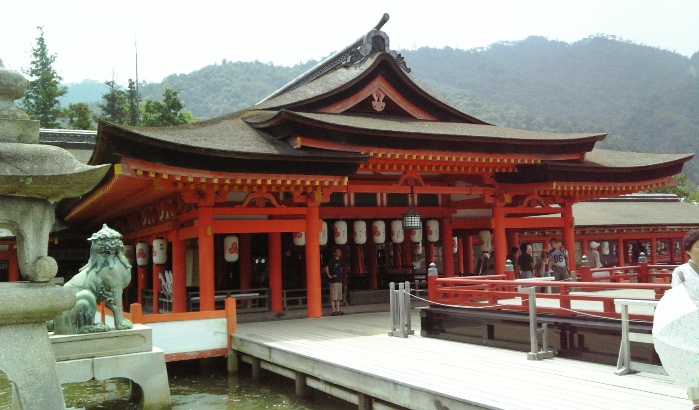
(541, 269)
(559, 265)
(593, 258)
(333, 271)
(525, 262)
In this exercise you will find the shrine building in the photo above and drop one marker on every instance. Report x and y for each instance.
(353, 154)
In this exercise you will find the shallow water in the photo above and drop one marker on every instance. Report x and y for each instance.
(201, 385)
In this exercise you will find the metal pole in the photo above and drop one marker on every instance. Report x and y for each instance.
(406, 296)
(401, 308)
(534, 343)
(392, 304)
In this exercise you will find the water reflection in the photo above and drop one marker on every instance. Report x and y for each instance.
(200, 385)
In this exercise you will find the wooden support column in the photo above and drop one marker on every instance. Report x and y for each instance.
(275, 270)
(620, 252)
(407, 251)
(469, 254)
(313, 282)
(371, 265)
(13, 267)
(512, 242)
(141, 272)
(179, 274)
(206, 259)
(460, 255)
(569, 235)
(653, 250)
(157, 285)
(499, 240)
(245, 260)
(447, 248)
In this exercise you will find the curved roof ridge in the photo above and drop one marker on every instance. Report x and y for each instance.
(373, 41)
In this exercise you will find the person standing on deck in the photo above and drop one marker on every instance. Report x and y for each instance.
(594, 256)
(559, 265)
(525, 262)
(333, 270)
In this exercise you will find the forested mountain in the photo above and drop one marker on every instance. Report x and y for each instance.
(645, 98)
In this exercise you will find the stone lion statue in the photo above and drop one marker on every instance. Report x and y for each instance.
(103, 278)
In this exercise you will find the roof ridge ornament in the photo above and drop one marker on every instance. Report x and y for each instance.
(373, 41)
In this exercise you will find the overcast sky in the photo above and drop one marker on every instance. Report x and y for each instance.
(95, 39)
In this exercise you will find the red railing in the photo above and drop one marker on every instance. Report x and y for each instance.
(496, 292)
(641, 273)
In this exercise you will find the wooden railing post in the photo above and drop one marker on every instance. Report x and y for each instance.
(136, 313)
(585, 274)
(231, 319)
(432, 288)
(643, 268)
(509, 275)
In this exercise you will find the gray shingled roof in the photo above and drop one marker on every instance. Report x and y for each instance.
(229, 134)
(417, 127)
(608, 158)
(635, 213)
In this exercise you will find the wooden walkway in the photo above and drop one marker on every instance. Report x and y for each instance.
(354, 352)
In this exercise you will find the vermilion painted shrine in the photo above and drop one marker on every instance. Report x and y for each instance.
(347, 148)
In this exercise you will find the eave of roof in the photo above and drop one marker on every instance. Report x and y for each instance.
(630, 213)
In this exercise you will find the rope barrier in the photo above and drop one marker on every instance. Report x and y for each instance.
(523, 300)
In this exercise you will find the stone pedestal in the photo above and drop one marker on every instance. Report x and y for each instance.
(26, 356)
(123, 353)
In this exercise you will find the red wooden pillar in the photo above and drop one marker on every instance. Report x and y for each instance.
(460, 255)
(429, 254)
(141, 272)
(620, 252)
(313, 224)
(447, 248)
(371, 265)
(245, 245)
(569, 235)
(179, 274)
(157, 284)
(499, 240)
(407, 251)
(206, 259)
(13, 267)
(275, 270)
(469, 254)
(512, 242)
(653, 250)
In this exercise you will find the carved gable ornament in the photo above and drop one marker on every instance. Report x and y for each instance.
(378, 103)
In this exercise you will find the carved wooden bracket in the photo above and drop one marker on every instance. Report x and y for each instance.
(260, 200)
(410, 179)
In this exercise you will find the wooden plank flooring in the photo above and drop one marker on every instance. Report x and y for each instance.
(355, 351)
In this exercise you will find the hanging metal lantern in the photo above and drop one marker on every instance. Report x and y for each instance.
(378, 231)
(359, 228)
(231, 248)
(142, 254)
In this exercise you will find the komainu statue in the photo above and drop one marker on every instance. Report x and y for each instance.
(103, 278)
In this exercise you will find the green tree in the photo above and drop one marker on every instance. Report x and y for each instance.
(165, 113)
(79, 116)
(683, 187)
(114, 108)
(132, 100)
(41, 99)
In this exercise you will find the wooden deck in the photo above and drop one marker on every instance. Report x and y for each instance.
(354, 353)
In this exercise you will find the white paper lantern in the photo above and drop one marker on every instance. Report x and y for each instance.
(231, 248)
(359, 228)
(142, 254)
(299, 238)
(129, 253)
(432, 230)
(340, 232)
(486, 240)
(159, 251)
(417, 248)
(605, 248)
(323, 236)
(455, 248)
(397, 231)
(415, 235)
(378, 231)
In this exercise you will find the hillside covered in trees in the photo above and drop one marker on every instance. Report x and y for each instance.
(646, 99)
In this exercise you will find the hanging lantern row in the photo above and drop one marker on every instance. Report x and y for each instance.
(142, 252)
(486, 240)
(129, 253)
(378, 232)
(231, 248)
(159, 251)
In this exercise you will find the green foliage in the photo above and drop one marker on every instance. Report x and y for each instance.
(41, 99)
(165, 113)
(683, 187)
(79, 116)
(114, 108)
(132, 102)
